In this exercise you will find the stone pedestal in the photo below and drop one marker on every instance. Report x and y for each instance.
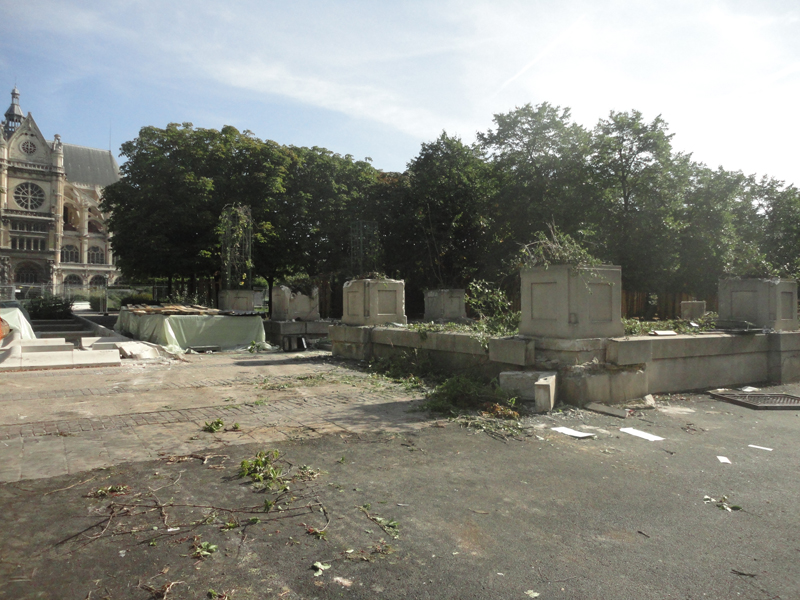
(242, 300)
(568, 302)
(767, 303)
(374, 302)
(288, 305)
(691, 311)
(445, 305)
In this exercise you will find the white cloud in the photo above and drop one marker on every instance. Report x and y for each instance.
(723, 74)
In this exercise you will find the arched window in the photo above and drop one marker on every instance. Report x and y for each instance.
(26, 274)
(98, 281)
(96, 256)
(70, 254)
(73, 280)
(28, 196)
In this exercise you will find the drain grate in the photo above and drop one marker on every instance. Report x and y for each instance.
(761, 401)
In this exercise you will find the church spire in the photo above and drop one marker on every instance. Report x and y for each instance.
(13, 114)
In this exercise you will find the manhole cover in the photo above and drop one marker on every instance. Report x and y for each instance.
(761, 401)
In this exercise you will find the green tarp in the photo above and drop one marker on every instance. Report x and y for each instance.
(177, 333)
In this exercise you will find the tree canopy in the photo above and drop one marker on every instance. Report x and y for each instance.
(460, 211)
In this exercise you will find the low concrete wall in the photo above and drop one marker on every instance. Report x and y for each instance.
(451, 351)
(275, 331)
(693, 362)
(597, 370)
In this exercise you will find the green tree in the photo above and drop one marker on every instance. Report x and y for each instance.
(641, 182)
(540, 160)
(448, 200)
(175, 181)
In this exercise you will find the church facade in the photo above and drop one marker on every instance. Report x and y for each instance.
(53, 233)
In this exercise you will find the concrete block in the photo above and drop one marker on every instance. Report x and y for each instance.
(536, 386)
(604, 386)
(545, 392)
(512, 351)
(561, 301)
(769, 303)
(352, 335)
(607, 410)
(396, 337)
(374, 302)
(461, 343)
(351, 351)
(692, 310)
(242, 300)
(288, 305)
(317, 328)
(445, 305)
(630, 351)
(284, 327)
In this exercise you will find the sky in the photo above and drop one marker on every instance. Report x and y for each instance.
(378, 79)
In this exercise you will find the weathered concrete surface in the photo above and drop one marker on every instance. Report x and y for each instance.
(536, 387)
(770, 303)
(611, 518)
(445, 305)
(374, 302)
(561, 301)
(140, 411)
(288, 305)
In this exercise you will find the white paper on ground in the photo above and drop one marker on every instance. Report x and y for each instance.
(572, 432)
(724, 459)
(641, 434)
(759, 447)
(748, 388)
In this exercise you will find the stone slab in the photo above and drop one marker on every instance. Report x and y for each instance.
(607, 410)
(512, 351)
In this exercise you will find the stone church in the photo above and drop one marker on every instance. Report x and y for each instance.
(52, 231)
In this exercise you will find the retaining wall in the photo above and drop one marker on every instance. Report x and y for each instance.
(597, 370)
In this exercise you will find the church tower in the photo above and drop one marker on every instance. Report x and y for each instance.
(13, 115)
(53, 233)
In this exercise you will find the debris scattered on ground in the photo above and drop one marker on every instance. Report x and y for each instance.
(749, 388)
(642, 434)
(742, 573)
(501, 429)
(573, 433)
(532, 594)
(691, 428)
(724, 459)
(676, 410)
(649, 400)
(759, 447)
(722, 503)
(319, 568)
(607, 410)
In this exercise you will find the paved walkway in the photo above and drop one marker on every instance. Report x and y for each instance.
(68, 421)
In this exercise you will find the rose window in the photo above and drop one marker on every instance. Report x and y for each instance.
(29, 196)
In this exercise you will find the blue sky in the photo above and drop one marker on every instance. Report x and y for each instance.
(377, 79)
